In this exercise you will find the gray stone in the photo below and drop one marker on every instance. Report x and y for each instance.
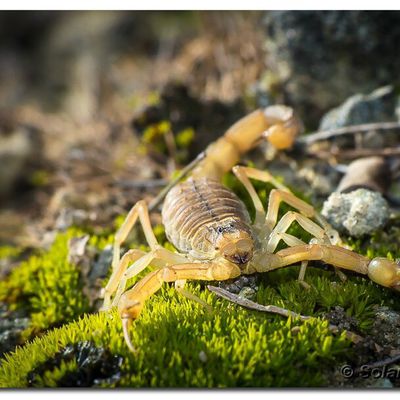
(322, 57)
(12, 323)
(386, 328)
(379, 106)
(357, 213)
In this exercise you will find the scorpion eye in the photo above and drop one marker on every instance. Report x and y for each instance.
(220, 229)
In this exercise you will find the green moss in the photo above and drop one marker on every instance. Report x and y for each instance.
(9, 252)
(180, 345)
(185, 138)
(47, 286)
(40, 178)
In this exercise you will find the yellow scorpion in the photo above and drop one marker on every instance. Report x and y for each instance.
(211, 228)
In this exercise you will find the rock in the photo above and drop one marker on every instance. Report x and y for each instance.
(95, 366)
(102, 265)
(247, 293)
(322, 57)
(203, 356)
(12, 323)
(18, 147)
(386, 328)
(77, 249)
(321, 178)
(337, 316)
(357, 213)
(372, 173)
(73, 217)
(378, 106)
(245, 285)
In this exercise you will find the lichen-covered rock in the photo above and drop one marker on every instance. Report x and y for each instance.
(322, 57)
(380, 105)
(386, 328)
(357, 213)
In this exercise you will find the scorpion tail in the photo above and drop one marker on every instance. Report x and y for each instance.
(277, 124)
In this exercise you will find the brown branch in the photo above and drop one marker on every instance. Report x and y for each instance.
(254, 306)
(324, 135)
(251, 305)
(381, 363)
(356, 153)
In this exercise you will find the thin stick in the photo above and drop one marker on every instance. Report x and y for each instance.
(381, 363)
(323, 135)
(144, 184)
(254, 306)
(157, 200)
(274, 310)
(357, 153)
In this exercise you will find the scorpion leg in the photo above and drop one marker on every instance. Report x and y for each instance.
(283, 225)
(180, 288)
(132, 301)
(291, 241)
(282, 193)
(138, 210)
(277, 196)
(263, 176)
(160, 257)
(320, 236)
(129, 257)
(242, 176)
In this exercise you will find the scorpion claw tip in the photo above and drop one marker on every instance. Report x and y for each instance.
(385, 272)
(126, 323)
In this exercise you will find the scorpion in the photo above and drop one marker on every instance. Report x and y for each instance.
(213, 232)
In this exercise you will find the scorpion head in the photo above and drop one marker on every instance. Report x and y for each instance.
(235, 244)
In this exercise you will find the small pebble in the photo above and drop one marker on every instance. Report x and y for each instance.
(203, 356)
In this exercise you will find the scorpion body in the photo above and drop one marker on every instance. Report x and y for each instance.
(197, 212)
(212, 231)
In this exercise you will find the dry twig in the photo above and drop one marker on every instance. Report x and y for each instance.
(324, 135)
(274, 310)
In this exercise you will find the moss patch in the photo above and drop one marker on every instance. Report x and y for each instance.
(179, 343)
(47, 286)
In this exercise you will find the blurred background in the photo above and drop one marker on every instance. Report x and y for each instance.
(87, 98)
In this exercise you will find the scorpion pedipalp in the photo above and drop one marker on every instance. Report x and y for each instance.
(385, 272)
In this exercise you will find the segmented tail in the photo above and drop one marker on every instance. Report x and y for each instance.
(277, 124)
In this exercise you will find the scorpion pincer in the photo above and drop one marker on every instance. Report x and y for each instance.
(211, 228)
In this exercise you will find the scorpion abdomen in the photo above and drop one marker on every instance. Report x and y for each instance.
(196, 210)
